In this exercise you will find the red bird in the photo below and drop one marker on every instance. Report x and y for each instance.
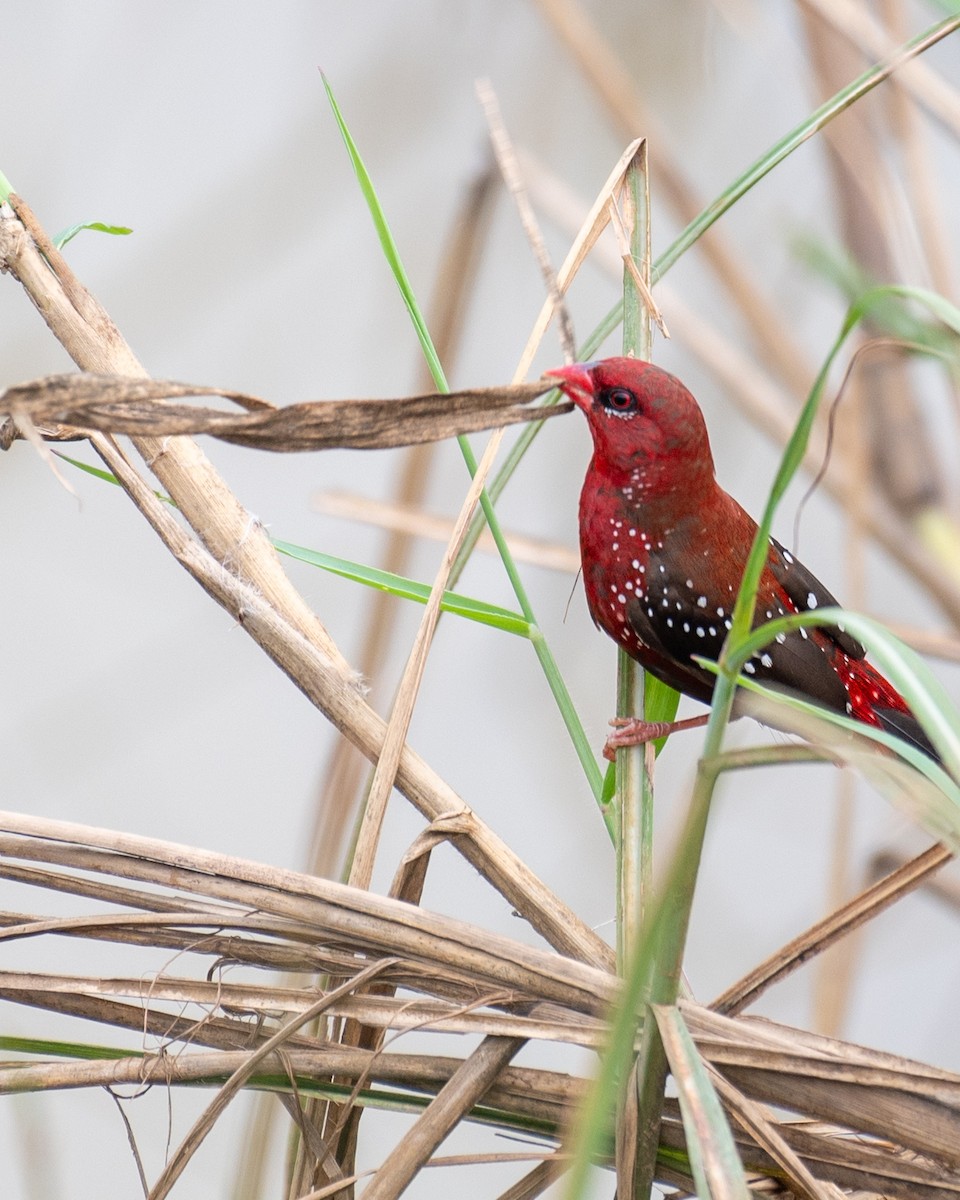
(664, 548)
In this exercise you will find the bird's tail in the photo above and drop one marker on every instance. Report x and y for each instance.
(906, 726)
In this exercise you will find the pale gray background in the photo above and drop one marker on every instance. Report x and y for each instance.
(127, 699)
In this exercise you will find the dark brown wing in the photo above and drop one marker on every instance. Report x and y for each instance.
(679, 618)
(807, 593)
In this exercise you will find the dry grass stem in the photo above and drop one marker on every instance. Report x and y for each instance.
(919, 177)
(462, 979)
(886, 861)
(764, 404)
(390, 926)
(630, 266)
(402, 713)
(538, 1180)
(340, 794)
(509, 166)
(615, 86)
(204, 1124)
(339, 700)
(931, 91)
(410, 1155)
(862, 908)
(230, 534)
(593, 225)
(393, 516)
(453, 1102)
(763, 1128)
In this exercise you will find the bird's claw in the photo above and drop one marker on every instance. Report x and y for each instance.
(633, 731)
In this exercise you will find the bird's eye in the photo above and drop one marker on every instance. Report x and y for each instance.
(620, 399)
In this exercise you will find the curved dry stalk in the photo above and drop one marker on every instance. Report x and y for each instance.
(342, 704)
(454, 1100)
(399, 1015)
(856, 912)
(208, 1118)
(230, 534)
(348, 915)
(395, 735)
(252, 586)
(339, 793)
(851, 1088)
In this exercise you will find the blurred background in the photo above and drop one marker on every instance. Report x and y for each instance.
(129, 700)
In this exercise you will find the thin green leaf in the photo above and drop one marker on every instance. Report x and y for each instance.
(51, 1049)
(660, 703)
(776, 154)
(100, 473)
(397, 585)
(797, 136)
(904, 667)
(936, 808)
(548, 664)
(652, 974)
(906, 776)
(893, 319)
(715, 1163)
(68, 234)
(390, 251)
(917, 684)
(409, 589)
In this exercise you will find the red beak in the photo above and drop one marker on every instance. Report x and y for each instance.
(576, 383)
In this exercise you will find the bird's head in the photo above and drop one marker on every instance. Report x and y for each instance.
(647, 429)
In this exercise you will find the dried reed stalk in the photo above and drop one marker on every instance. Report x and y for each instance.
(236, 564)
(459, 979)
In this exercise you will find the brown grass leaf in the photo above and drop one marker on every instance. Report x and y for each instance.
(145, 408)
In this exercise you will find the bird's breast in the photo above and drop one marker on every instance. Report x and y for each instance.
(616, 550)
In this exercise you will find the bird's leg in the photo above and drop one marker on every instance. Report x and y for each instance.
(632, 731)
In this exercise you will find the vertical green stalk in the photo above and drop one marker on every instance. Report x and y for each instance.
(634, 793)
(634, 784)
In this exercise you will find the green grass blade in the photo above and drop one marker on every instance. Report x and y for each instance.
(409, 589)
(796, 137)
(714, 1161)
(397, 585)
(387, 243)
(652, 976)
(547, 662)
(775, 155)
(656, 971)
(68, 234)
(903, 667)
(100, 473)
(52, 1049)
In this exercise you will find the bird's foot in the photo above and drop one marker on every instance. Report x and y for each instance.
(632, 731)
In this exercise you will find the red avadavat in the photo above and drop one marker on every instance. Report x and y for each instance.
(664, 548)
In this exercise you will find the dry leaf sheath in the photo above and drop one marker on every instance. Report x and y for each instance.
(65, 407)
